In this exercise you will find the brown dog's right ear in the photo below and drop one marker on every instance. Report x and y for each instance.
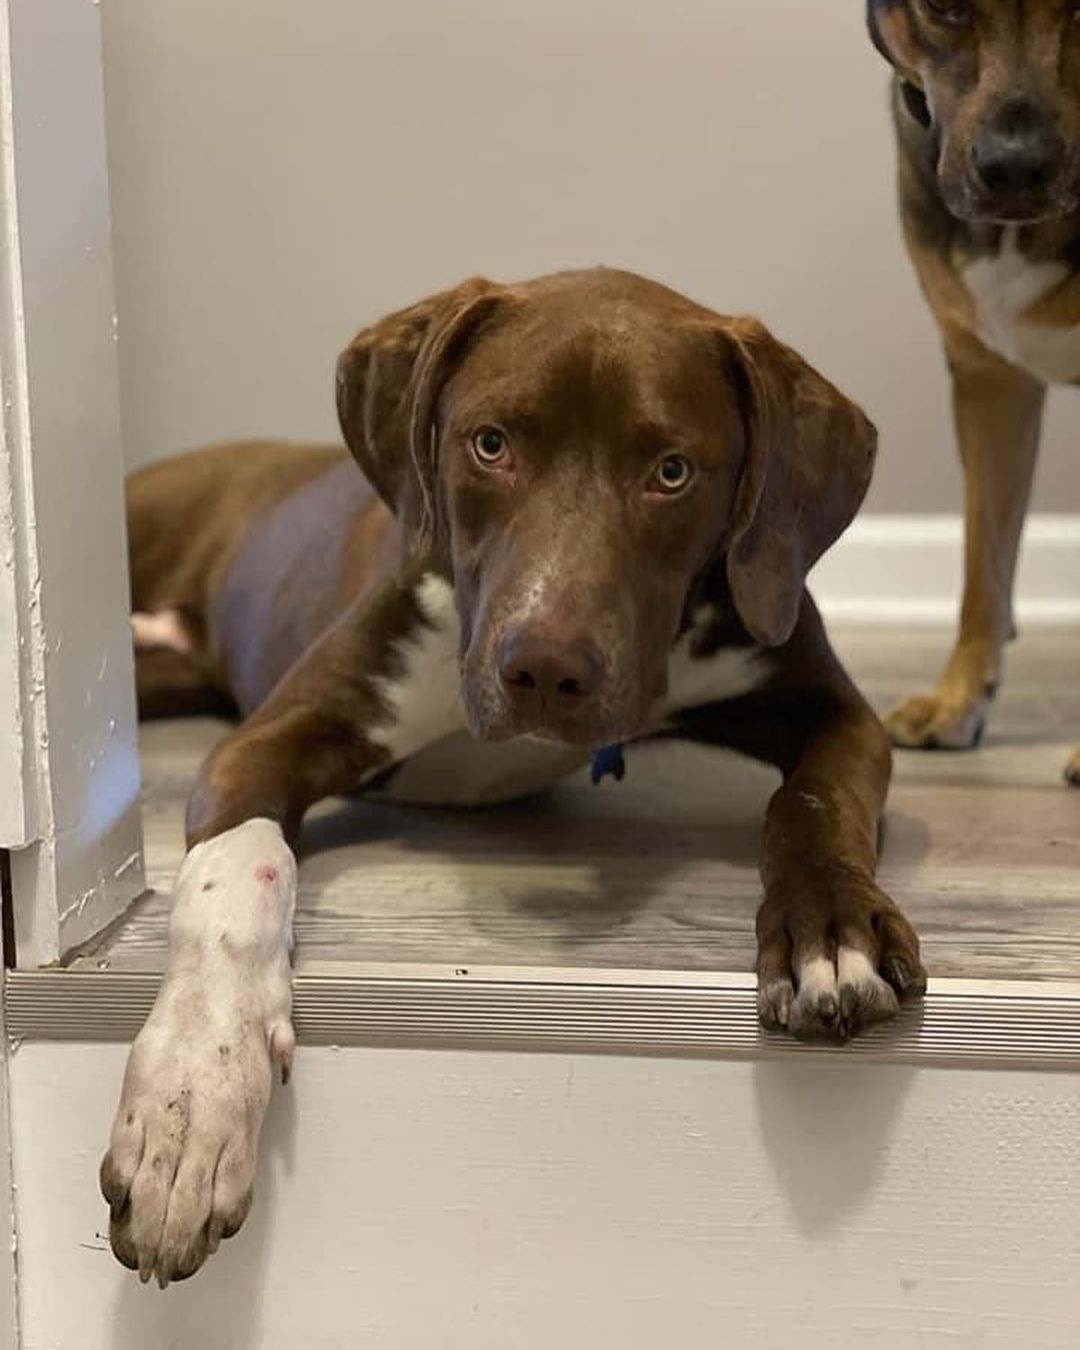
(809, 456)
(388, 383)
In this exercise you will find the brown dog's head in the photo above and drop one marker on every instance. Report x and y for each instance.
(576, 454)
(996, 86)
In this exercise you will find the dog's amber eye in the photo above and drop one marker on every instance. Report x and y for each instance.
(959, 13)
(672, 474)
(489, 446)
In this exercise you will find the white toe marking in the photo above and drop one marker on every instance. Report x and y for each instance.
(816, 977)
(166, 629)
(854, 968)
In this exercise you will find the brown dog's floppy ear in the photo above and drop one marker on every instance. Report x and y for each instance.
(388, 384)
(809, 459)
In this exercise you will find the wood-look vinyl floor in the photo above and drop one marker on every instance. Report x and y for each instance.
(660, 871)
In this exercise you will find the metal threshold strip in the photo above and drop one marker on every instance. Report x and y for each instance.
(969, 1023)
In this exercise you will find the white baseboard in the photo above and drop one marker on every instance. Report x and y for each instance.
(909, 569)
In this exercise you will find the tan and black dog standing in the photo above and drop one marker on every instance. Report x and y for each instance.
(986, 100)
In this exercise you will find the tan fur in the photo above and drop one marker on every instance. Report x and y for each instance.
(957, 83)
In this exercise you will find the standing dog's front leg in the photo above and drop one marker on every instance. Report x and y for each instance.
(180, 1168)
(998, 410)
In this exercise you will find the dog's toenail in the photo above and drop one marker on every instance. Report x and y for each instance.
(897, 973)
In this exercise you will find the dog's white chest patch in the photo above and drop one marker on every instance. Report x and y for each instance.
(425, 730)
(695, 681)
(441, 764)
(423, 697)
(1004, 287)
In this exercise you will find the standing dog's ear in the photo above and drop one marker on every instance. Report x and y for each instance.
(388, 384)
(809, 459)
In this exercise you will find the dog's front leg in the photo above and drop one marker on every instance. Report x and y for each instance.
(834, 952)
(998, 412)
(180, 1168)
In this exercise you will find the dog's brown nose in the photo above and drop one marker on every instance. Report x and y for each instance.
(534, 665)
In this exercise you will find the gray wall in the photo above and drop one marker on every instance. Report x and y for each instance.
(282, 172)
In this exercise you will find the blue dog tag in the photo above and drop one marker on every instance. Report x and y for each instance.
(608, 761)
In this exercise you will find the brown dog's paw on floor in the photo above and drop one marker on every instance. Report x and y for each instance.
(1072, 771)
(828, 971)
(935, 722)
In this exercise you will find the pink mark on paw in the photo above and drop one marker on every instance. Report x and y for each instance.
(266, 874)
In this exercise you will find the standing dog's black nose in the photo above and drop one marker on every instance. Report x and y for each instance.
(534, 665)
(1017, 159)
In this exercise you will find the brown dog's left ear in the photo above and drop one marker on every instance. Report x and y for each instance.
(809, 459)
(388, 384)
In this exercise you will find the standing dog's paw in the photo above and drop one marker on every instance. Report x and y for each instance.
(1072, 771)
(832, 964)
(938, 722)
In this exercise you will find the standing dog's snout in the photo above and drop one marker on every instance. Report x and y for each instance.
(1017, 158)
(536, 666)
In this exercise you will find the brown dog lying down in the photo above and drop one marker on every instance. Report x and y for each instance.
(586, 513)
(986, 100)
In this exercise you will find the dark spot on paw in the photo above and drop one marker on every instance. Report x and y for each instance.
(209, 885)
(223, 1052)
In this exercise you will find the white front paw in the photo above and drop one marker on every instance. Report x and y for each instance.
(181, 1163)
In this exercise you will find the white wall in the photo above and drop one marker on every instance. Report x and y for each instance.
(283, 172)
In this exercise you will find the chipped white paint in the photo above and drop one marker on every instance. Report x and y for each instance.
(1004, 287)
(65, 642)
(18, 619)
(198, 1078)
